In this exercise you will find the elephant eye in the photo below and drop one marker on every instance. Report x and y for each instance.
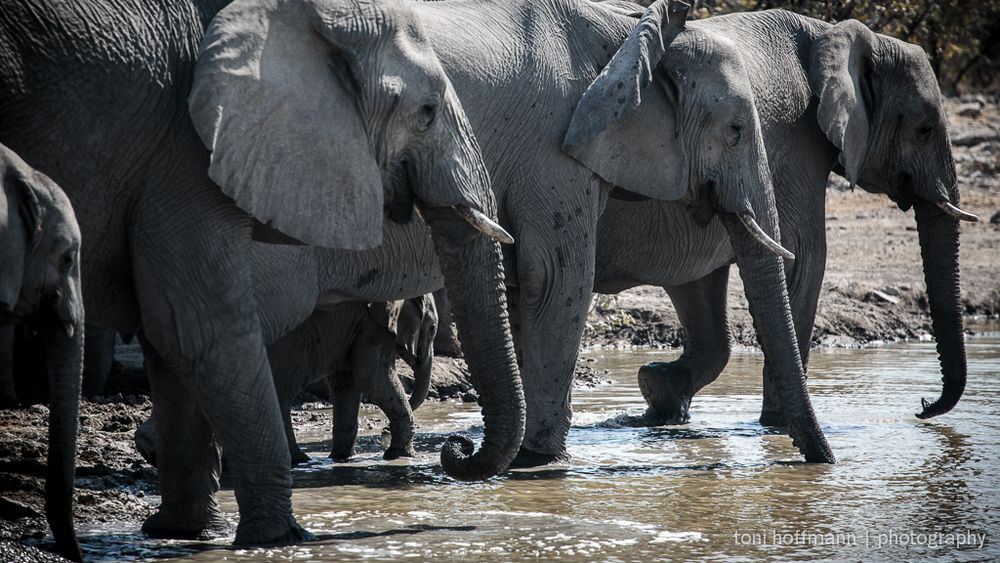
(428, 112)
(924, 133)
(735, 132)
(66, 262)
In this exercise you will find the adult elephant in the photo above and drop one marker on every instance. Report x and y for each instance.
(520, 68)
(831, 98)
(96, 96)
(40, 285)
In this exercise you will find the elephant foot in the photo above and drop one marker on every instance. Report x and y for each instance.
(527, 458)
(173, 525)
(341, 455)
(272, 530)
(772, 418)
(396, 453)
(667, 389)
(298, 456)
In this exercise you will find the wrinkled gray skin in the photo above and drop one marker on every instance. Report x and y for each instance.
(520, 68)
(830, 97)
(40, 285)
(354, 346)
(521, 102)
(96, 96)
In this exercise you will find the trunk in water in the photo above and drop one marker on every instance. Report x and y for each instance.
(473, 274)
(763, 277)
(939, 249)
(64, 362)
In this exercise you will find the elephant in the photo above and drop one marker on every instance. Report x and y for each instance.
(166, 243)
(831, 98)
(520, 68)
(354, 346)
(40, 285)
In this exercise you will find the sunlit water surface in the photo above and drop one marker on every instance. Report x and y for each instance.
(721, 487)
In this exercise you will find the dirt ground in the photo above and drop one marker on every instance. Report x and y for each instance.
(873, 292)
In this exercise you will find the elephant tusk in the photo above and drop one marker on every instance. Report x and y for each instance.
(956, 212)
(483, 224)
(759, 234)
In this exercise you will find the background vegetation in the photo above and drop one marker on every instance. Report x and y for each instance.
(961, 37)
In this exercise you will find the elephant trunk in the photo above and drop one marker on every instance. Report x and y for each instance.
(938, 233)
(763, 277)
(64, 362)
(421, 378)
(473, 272)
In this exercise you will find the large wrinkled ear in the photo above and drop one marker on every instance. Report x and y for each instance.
(625, 130)
(275, 98)
(20, 216)
(839, 76)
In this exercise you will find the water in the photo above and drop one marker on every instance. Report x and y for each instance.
(721, 487)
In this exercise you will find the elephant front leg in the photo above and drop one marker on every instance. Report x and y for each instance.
(187, 458)
(556, 278)
(805, 280)
(199, 315)
(373, 358)
(346, 399)
(668, 387)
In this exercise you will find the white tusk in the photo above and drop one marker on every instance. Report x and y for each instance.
(483, 224)
(956, 212)
(759, 234)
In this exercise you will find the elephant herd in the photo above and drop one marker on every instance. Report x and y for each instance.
(246, 178)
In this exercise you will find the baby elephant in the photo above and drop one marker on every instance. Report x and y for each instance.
(354, 345)
(40, 286)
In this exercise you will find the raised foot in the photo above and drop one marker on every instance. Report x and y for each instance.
(666, 386)
(166, 524)
(528, 458)
(271, 531)
(772, 418)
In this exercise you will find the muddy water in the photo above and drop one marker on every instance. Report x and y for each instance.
(721, 487)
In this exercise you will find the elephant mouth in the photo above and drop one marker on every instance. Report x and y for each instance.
(905, 196)
(402, 201)
(706, 206)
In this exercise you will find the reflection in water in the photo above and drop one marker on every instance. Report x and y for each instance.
(721, 487)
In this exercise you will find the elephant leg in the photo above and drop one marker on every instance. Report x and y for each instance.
(98, 355)
(298, 456)
(192, 277)
(372, 360)
(669, 386)
(556, 280)
(346, 399)
(188, 459)
(805, 280)
(8, 394)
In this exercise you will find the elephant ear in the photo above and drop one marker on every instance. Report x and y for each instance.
(20, 225)
(839, 77)
(275, 99)
(625, 131)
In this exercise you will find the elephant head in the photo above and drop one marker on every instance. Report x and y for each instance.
(673, 117)
(326, 116)
(414, 322)
(40, 283)
(879, 104)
